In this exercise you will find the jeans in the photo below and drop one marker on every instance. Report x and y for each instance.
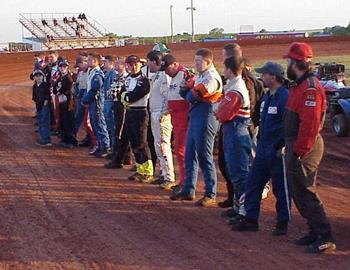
(44, 124)
(237, 147)
(98, 124)
(202, 128)
(110, 121)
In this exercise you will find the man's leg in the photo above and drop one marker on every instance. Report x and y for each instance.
(205, 137)
(161, 129)
(110, 121)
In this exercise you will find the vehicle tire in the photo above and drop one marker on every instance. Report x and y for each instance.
(340, 125)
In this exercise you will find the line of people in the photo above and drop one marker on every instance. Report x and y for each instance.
(267, 129)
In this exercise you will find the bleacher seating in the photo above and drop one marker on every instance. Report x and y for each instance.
(60, 31)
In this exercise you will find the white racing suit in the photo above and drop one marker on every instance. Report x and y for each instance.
(161, 124)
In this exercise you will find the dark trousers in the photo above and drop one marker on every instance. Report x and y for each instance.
(136, 121)
(121, 148)
(301, 175)
(67, 124)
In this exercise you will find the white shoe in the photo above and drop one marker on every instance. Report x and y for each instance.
(265, 192)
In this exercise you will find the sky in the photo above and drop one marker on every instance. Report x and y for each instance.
(152, 17)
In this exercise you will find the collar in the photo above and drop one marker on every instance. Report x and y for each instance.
(136, 74)
(276, 93)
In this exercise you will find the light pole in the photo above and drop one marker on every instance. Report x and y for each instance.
(171, 23)
(192, 8)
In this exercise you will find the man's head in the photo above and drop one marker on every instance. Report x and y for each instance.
(203, 59)
(233, 67)
(63, 66)
(299, 59)
(53, 57)
(109, 62)
(120, 65)
(38, 76)
(272, 74)
(82, 63)
(94, 60)
(169, 65)
(39, 56)
(230, 50)
(133, 64)
(154, 59)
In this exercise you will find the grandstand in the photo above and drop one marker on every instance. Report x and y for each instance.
(62, 31)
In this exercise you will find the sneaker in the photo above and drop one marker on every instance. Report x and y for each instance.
(226, 203)
(65, 145)
(101, 154)
(235, 220)
(146, 179)
(306, 240)
(113, 165)
(167, 185)
(42, 144)
(229, 213)
(85, 143)
(68, 146)
(135, 177)
(93, 150)
(265, 192)
(109, 156)
(206, 202)
(321, 246)
(281, 228)
(182, 196)
(246, 225)
(176, 189)
(158, 181)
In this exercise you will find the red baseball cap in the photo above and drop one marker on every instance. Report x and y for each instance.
(299, 51)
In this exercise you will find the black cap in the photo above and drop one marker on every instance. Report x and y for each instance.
(272, 68)
(167, 60)
(63, 63)
(38, 72)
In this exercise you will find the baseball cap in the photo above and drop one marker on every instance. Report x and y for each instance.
(167, 60)
(63, 63)
(132, 59)
(38, 72)
(271, 68)
(160, 47)
(299, 51)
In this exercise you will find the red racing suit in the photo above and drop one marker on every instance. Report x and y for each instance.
(305, 112)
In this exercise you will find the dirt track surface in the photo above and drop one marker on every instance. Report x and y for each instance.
(59, 209)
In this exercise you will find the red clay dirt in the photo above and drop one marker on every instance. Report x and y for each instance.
(60, 209)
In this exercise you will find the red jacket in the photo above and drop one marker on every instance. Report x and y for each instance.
(305, 112)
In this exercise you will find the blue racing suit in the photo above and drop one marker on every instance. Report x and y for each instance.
(94, 98)
(268, 163)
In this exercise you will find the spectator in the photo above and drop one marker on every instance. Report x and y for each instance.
(42, 97)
